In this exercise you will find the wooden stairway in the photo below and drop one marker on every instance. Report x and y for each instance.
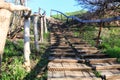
(73, 59)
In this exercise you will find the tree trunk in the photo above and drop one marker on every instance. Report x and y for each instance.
(36, 33)
(27, 44)
(4, 26)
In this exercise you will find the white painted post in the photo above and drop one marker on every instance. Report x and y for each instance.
(27, 43)
(36, 32)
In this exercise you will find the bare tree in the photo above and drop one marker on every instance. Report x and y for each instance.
(101, 7)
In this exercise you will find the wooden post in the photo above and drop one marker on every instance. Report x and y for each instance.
(45, 26)
(98, 38)
(5, 14)
(27, 43)
(36, 32)
(41, 34)
(4, 27)
(39, 11)
(61, 16)
(57, 15)
(51, 13)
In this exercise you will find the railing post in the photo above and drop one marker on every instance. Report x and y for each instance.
(4, 26)
(41, 30)
(61, 16)
(67, 20)
(36, 32)
(98, 38)
(51, 13)
(57, 14)
(45, 26)
(27, 43)
(39, 11)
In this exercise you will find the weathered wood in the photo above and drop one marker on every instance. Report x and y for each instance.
(112, 74)
(41, 30)
(36, 32)
(93, 55)
(108, 67)
(86, 48)
(4, 27)
(113, 77)
(99, 34)
(60, 46)
(27, 43)
(104, 60)
(67, 60)
(62, 50)
(5, 15)
(87, 78)
(90, 21)
(88, 51)
(67, 67)
(45, 24)
(12, 7)
(62, 55)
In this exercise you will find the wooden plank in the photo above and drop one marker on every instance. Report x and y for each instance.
(88, 78)
(63, 54)
(88, 51)
(58, 74)
(104, 60)
(113, 77)
(59, 46)
(50, 74)
(61, 50)
(67, 60)
(58, 49)
(77, 46)
(57, 79)
(94, 55)
(115, 66)
(67, 66)
(84, 78)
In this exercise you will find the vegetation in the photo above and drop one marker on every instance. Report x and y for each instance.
(110, 38)
(75, 13)
(12, 65)
(110, 34)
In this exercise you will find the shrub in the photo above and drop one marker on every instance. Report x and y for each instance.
(113, 52)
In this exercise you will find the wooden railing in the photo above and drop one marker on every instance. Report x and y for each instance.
(100, 21)
(6, 9)
(89, 21)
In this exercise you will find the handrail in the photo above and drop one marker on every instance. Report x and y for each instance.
(60, 12)
(90, 21)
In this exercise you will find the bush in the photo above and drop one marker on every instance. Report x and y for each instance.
(113, 52)
(104, 46)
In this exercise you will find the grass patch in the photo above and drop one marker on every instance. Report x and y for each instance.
(113, 52)
(97, 73)
(12, 65)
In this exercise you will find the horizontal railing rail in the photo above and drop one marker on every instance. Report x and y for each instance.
(90, 21)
